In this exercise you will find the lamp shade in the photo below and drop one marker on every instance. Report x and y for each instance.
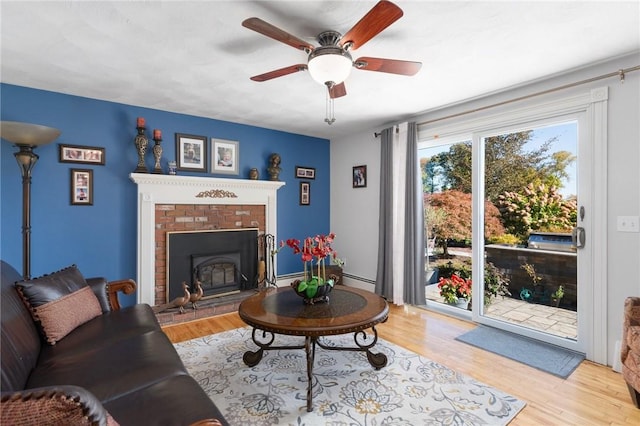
(27, 134)
(329, 64)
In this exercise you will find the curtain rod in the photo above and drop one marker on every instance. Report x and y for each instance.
(620, 73)
(376, 134)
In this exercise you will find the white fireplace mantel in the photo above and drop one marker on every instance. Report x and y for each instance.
(171, 189)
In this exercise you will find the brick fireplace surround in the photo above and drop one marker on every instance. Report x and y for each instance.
(185, 203)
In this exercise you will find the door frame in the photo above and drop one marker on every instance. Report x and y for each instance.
(591, 109)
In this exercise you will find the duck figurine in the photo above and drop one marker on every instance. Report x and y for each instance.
(194, 297)
(181, 301)
(178, 302)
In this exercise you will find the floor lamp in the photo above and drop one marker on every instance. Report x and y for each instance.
(26, 137)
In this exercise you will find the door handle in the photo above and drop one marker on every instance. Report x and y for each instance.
(578, 236)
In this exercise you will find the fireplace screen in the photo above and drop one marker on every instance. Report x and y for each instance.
(218, 274)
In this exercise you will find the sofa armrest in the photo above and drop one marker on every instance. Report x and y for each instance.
(99, 287)
(63, 404)
(207, 422)
(107, 291)
(113, 287)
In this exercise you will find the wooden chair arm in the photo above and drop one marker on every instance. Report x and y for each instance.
(113, 287)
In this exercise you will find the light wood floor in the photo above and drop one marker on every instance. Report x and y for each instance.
(592, 395)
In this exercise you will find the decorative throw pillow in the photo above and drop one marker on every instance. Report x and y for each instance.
(59, 302)
(53, 407)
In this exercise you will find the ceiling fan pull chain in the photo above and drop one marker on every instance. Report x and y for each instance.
(330, 117)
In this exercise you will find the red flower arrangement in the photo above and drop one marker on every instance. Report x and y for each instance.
(316, 248)
(455, 288)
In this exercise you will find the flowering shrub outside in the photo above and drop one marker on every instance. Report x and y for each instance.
(537, 208)
(451, 289)
(496, 281)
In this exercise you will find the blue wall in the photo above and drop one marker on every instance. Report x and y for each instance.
(101, 239)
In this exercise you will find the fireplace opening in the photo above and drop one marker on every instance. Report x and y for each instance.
(218, 274)
(223, 261)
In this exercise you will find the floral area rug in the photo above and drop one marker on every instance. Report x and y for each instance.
(410, 391)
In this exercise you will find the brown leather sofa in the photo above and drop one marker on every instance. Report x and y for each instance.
(630, 349)
(116, 368)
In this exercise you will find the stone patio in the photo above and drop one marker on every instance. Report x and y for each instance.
(557, 321)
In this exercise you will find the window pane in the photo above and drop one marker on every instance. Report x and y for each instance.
(530, 211)
(446, 181)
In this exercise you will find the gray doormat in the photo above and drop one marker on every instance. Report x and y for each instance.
(544, 356)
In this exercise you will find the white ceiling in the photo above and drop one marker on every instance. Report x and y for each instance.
(196, 58)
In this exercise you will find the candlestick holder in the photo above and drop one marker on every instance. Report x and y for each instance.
(141, 142)
(157, 154)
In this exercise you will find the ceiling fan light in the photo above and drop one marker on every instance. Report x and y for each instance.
(329, 65)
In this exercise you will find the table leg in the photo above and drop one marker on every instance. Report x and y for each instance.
(310, 349)
(264, 343)
(252, 358)
(377, 360)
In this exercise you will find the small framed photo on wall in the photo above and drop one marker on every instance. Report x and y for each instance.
(360, 177)
(81, 187)
(305, 193)
(305, 172)
(191, 151)
(81, 154)
(225, 156)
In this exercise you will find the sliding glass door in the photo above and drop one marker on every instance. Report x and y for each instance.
(527, 185)
(502, 214)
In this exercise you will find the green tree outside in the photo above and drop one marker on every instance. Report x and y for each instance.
(510, 172)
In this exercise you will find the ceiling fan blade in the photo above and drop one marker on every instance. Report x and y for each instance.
(279, 73)
(337, 90)
(377, 19)
(392, 66)
(265, 28)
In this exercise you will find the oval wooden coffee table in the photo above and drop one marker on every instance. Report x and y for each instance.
(282, 311)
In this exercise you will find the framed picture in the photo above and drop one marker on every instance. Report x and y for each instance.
(81, 154)
(81, 187)
(305, 193)
(305, 172)
(225, 156)
(360, 176)
(191, 151)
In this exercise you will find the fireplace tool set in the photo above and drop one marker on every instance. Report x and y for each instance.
(266, 266)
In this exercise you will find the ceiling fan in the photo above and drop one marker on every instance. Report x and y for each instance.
(330, 63)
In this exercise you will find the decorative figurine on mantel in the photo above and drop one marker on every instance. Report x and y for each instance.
(254, 174)
(274, 166)
(157, 150)
(141, 142)
(197, 295)
(173, 170)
